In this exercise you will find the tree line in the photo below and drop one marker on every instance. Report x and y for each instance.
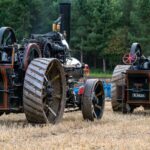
(102, 31)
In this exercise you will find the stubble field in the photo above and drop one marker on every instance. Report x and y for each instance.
(112, 132)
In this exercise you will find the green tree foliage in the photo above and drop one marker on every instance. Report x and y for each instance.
(20, 15)
(100, 12)
(80, 24)
(141, 21)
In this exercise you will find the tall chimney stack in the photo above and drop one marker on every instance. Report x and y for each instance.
(65, 12)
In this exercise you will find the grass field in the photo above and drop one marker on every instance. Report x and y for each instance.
(99, 74)
(112, 132)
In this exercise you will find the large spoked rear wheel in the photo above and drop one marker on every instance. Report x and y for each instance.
(44, 92)
(118, 84)
(93, 100)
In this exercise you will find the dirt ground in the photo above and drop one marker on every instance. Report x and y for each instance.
(113, 132)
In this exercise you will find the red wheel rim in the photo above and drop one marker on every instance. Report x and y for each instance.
(129, 59)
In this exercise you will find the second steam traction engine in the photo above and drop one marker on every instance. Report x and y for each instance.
(131, 82)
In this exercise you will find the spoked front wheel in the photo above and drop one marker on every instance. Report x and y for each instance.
(93, 100)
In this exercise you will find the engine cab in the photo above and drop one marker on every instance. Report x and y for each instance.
(138, 87)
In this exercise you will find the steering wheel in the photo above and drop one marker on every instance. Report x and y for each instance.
(129, 59)
(7, 36)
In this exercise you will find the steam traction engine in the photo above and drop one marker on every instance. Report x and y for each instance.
(131, 82)
(38, 78)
